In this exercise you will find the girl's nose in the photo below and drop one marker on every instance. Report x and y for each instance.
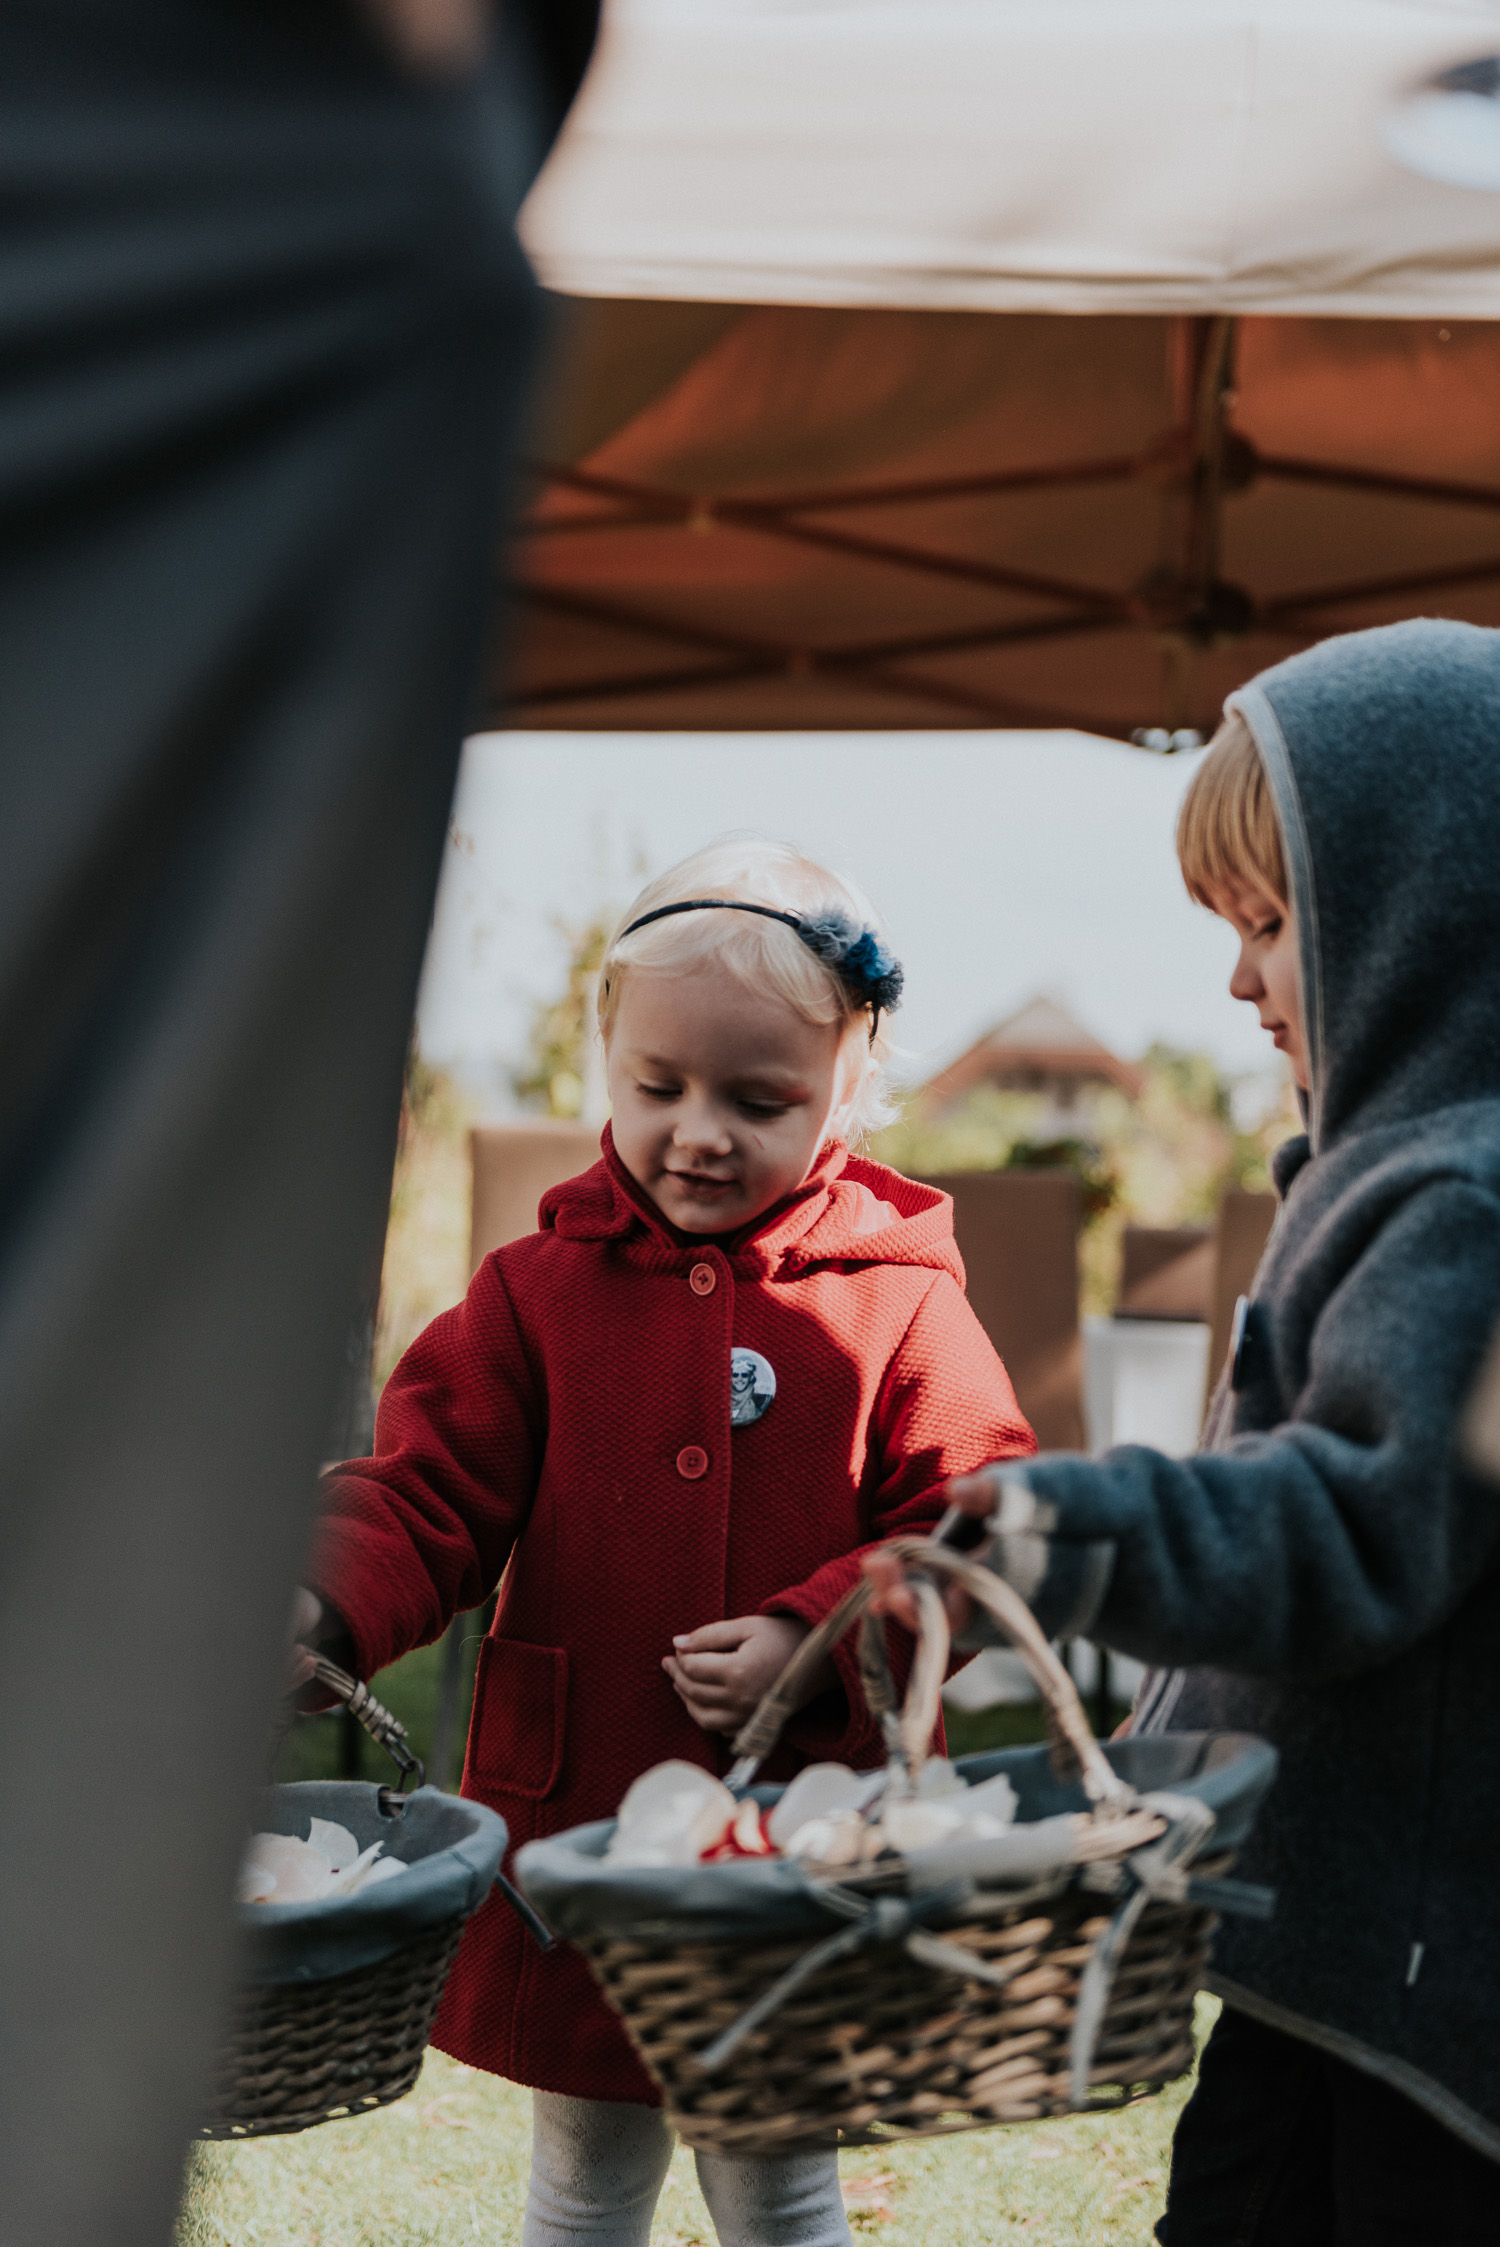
(700, 1124)
(1245, 983)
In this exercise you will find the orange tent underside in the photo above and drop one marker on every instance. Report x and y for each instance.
(804, 518)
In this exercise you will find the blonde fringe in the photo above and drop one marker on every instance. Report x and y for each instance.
(1227, 828)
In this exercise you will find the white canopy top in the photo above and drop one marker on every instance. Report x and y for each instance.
(1020, 155)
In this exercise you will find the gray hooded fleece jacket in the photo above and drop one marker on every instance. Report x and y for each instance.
(1330, 1555)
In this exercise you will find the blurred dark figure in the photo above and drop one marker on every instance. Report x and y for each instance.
(263, 333)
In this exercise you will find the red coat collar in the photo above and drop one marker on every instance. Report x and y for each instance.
(846, 1210)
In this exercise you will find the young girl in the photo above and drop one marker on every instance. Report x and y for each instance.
(675, 1417)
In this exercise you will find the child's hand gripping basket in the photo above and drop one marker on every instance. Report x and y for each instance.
(338, 1996)
(1047, 1969)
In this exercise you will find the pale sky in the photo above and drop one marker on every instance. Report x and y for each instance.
(1004, 864)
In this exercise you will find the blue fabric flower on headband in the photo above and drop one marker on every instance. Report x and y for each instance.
(857, 957)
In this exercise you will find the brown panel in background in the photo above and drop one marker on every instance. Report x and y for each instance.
(1245, 1222)
(1017, 1232)
(513, 1166)
(1167, 1272)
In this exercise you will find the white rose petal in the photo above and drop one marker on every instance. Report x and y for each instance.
(992, 1798)
(300, 1872)
(385, 1869)
(821, 1791)
(845, 1840)
(336, 1842)
(913, 1824)
(674, 1811)
(344, 1883)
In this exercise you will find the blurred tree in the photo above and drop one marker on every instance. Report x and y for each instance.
(1097, 1176)
(562, 1028)
(426, 1264)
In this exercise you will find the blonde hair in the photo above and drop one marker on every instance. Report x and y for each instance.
(1227, 828)
(764, 955)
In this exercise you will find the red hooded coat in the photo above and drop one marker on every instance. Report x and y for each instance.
(569, 1424)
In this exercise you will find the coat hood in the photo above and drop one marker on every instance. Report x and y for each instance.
(1383, 753)
(847, 1210)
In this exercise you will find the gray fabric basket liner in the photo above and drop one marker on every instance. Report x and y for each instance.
(453, 1846)
(761, 1898)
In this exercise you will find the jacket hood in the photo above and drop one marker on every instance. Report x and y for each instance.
(847, 1210)
(1383, 753)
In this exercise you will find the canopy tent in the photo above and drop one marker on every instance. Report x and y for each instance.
(829, 444)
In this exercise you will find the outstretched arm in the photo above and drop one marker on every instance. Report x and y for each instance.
(1324, 1546)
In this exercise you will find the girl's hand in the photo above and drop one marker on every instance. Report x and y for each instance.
(721, 1672)
(971, 1494)
(895, 1598)
(307, 1614)
(893, 1595)
(975, 1494)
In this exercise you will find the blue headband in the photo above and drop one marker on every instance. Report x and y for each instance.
(869, 972)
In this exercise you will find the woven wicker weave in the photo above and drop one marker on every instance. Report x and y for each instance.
(305, 2052)
(877, 2046)
(1088, 1974)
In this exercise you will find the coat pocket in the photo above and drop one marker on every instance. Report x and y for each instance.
(520, 1718)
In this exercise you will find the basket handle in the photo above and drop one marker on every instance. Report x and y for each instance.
(1065, 1709)
(907, 1735)
(386, 1730)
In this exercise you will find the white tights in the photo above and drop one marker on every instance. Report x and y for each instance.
(598, 2166)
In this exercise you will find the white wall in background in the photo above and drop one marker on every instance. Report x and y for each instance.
(1144, 1382)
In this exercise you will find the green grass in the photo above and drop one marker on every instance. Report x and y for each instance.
(447, 2166)
(1013, 1724)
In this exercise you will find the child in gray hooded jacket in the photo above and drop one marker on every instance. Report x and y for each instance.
(1327, 1571)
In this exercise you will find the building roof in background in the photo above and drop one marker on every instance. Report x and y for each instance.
(1040, 1048)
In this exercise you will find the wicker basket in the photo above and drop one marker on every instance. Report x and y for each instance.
(338, 1998)
(969, 1984)
(315, 2051)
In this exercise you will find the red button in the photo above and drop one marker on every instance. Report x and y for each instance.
(692, 1462)
(703, 1279)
